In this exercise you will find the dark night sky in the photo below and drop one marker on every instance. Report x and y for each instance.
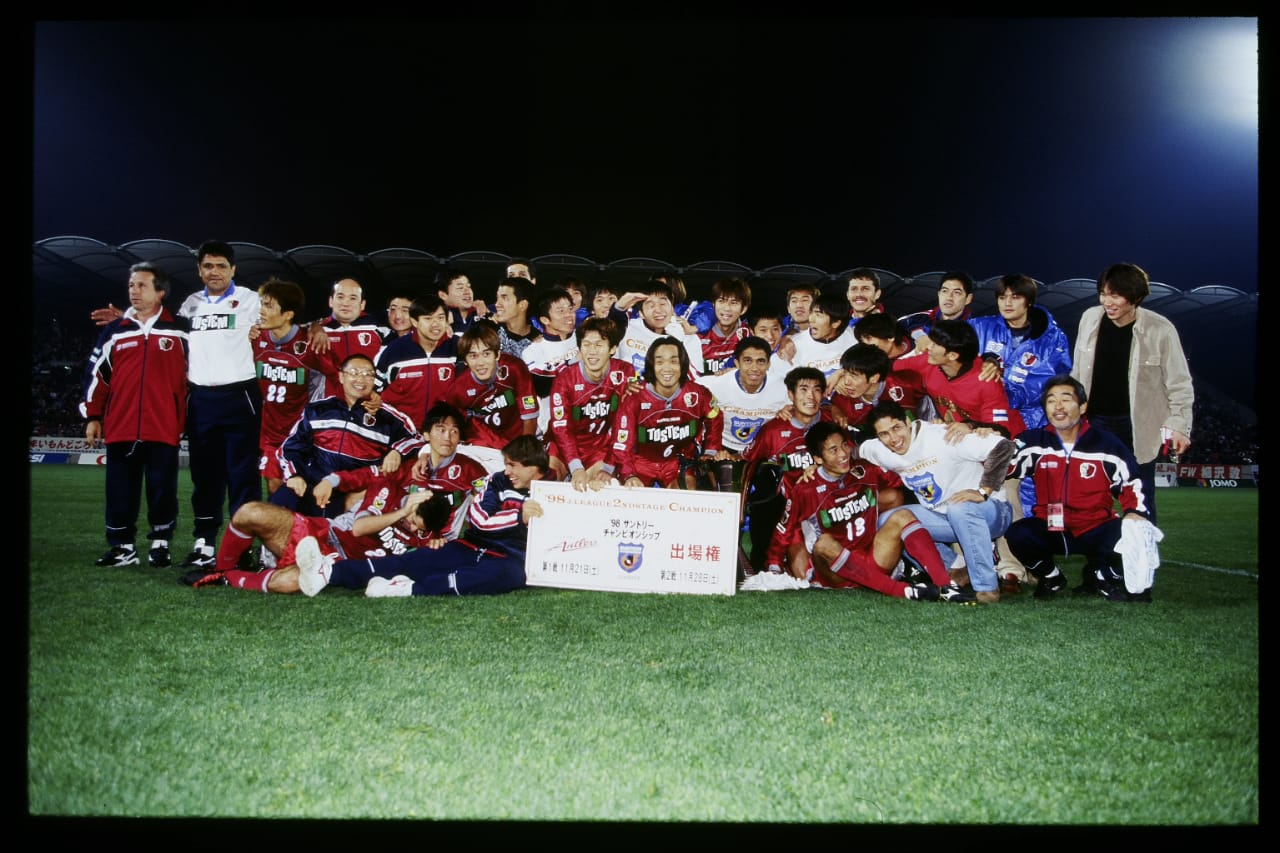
(1052, 147)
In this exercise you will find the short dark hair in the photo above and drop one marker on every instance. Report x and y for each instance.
(956, 336)
(446, 276)
(1127, 280)
(160, 278)
(966, 281)
(353, 357)
(533, 273)
(835, 306)
(818, 435)
(798, 374)
(521, 287)
(880, 326)
(886, 408)
(767, 312)
(867, 273)
(1060, 379)
(665, 341)
(549, 297)
(752, 342)
(527, 450)
(287, 294)
(867, 359)
(443, 412)
(218, 249)
(425, 305)
(603, 326)
(1021, 285)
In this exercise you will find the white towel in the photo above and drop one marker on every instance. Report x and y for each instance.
(771, 582)
(1137, 546)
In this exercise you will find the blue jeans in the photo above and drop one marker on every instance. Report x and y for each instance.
(975, 525)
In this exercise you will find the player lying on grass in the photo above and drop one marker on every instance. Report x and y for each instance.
(487, 559)
(420, 505)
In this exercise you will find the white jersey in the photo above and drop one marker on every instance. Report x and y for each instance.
(221, 352)
(823, 355)
(637, 338)
(933, 469)
(744, 412)
(544, 358)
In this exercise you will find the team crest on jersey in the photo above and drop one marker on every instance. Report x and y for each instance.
(558, 413)
(630, 556)
(621, 436)
(743, 428)
(453, 472)
(370, 419)
(896, 394)
(858, 472)
(502, 372)
(691, 398)
(365, 338)
(299, 347)
(1088, 470)
(444, 373)
(616, 377)
(166, 344)
(1028, 359)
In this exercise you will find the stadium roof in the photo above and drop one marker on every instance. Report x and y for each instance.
(71, 274)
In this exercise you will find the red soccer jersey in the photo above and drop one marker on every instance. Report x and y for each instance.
(455, 477)
(652, 433)
(583, 412)
(970, 400)
(781, 442)
(363, 337)
(495, 410)
(284, 368)
(844, 506)
(717, 349)
(908, 393)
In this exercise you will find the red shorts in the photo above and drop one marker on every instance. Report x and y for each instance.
(269, 465)
(859, 562)
(304, 526)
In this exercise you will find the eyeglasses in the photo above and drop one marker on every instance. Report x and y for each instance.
(357, 374)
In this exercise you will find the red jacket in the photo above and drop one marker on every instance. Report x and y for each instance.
(136, 380)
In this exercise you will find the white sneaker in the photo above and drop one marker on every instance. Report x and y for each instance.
(399, 586)
(314, 568)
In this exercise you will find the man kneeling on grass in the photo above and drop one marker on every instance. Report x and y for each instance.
(487, 559)
(831, 533)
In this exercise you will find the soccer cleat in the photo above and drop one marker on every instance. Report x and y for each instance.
(245, 563)
(119, 555)
(953, 594)
(914, 575)
(158, 556)
(314, 568)
(201, 556)
(400, 586)
(202, 577)
(1050, 586)
(921, 592)
(959, 577)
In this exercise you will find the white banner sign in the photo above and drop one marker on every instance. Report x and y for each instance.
(634, 540)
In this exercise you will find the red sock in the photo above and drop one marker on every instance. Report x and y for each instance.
(233, 544)
(918, 544)
(256, 581)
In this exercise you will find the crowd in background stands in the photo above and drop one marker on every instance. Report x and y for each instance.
(1225, 433)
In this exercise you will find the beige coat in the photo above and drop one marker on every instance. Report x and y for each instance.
(1160, 392)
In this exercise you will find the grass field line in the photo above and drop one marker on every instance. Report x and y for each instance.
(1219, 569)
